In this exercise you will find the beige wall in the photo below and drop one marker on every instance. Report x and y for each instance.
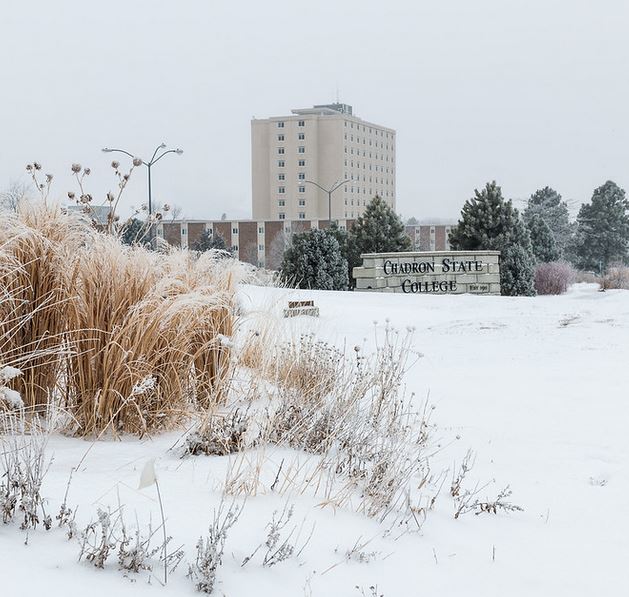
(335, 147)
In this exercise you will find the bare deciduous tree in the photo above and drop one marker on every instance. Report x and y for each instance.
(14, 194)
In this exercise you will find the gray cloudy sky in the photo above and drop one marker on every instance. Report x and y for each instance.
(530, 92)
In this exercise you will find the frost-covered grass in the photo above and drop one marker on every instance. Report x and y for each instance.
(535, 387)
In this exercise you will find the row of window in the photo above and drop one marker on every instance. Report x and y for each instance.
(282, 190)
(382, 168)
(300, 163)
(300, 137)
(280, 124)
(382, 145)
(300, 176)
(282, 150)
(382, 157)
(369, 129)
(282, 202)
(301, 215)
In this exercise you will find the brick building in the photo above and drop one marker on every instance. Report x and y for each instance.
(262, 242)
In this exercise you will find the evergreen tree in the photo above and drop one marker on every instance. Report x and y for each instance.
(490, 223)
(603, 229)
(207, 242)
(135, 232)
(314, 260)
(547, 204)
(517, 271)
(378, 230)
(542, 240)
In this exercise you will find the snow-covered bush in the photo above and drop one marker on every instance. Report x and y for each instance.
(553, 277)
(616, 277)
(23, 465)
(210, 548)
(281, 543)
(516, 271)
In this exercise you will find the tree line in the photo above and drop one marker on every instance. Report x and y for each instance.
(542, 233)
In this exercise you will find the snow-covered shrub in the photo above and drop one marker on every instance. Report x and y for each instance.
(279, 544)
(553, 277)
(616, 277)
(220, 434)
(23, 466)
(210, 549)
(109, 535)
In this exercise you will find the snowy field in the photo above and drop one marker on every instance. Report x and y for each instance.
(537, 387)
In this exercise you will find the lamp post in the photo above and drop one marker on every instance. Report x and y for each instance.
(156, 158)
(329, 192)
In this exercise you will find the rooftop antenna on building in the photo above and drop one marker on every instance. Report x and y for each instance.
(337, 94)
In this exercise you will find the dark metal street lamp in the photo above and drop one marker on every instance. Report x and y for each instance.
(156, 158)
(329, 192)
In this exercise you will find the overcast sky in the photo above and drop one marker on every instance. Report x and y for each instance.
(530, 93)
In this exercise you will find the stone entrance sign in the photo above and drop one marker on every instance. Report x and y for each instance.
(434, 272)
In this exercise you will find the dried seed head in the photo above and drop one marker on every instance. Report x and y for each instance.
(37, 165)
(87, 171)
(166, 207)
(76, 168)
(115, 165)
(49, 178)
(71, 195)
(137, 162)
(29, 167)
(110, 196)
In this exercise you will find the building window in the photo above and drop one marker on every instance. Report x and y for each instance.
(301, 149)
(301, 176)
(281, 189)
(280, 124)
(280, 163)
(301, 136)
(260, 230)
(280, 137)
(301, 123)
(280, 150)
(302, 215)
(302, 163)
(281, 202)
(234, 230)
(281, 176)
(260, 247)
(302, 189)
(282, 216)
(302, 202)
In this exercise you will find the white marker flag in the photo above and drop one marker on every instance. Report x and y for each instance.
(148, 476)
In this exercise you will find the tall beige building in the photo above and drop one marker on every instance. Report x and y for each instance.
(325, 144)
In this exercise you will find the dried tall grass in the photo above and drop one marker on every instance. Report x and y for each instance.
(120, 336)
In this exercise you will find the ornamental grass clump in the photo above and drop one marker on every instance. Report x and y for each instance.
(121, 337)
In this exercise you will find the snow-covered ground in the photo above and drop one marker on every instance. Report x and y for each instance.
(537, 387)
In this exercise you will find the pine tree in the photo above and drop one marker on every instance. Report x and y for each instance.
(488, 222)
(314, 260)
(517, 271)
(547, 204)
(208, 241)
(135, 232)
(603, 229)
(378, 230)
(542, 240)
